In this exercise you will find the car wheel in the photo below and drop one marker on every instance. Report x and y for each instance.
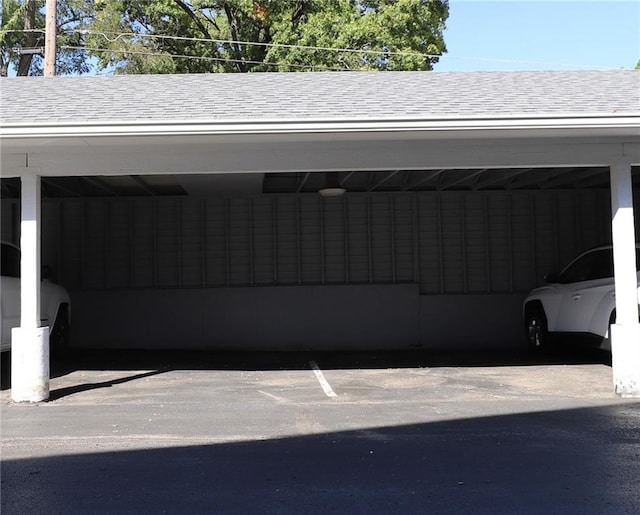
(59, 337)
(536, 326)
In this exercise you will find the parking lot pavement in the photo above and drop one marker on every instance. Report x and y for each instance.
(412, 432)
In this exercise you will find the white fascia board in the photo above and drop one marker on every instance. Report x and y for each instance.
(626, 124)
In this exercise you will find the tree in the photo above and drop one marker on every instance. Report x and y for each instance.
(187, 36)
(15, 17)
(148, 36)
(22, 25)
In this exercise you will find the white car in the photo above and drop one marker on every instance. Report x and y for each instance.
(55, 305)
(578, 304)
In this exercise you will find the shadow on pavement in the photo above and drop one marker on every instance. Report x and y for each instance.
(59, 393)
(163, 360)
(569, 461)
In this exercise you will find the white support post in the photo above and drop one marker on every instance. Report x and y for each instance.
(625, 333)
(30, 342)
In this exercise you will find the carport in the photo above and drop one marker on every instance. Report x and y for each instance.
(422, 156)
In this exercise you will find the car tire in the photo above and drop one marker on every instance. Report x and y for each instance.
(59, 337)
(536, 329)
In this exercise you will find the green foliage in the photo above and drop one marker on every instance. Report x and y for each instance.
(284, 30)
(18, 15)
(13, 18)
(189, 36)
(391, 35)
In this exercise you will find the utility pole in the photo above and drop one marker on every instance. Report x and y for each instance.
(50, 39)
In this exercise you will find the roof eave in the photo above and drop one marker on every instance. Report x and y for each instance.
(628, 123)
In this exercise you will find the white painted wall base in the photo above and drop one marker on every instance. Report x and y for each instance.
(625, 354)
(29, 364)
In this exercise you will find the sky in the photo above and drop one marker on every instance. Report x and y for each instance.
(541, 35)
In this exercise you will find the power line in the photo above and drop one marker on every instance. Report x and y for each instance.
(204, 58)
(11, 31)
(119, 35)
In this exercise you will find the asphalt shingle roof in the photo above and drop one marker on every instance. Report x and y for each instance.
(298, 96)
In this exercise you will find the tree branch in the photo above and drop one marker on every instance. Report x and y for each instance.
(194, 18)
(233, 27)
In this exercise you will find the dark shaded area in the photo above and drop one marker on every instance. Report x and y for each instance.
(163, 360)
(480, 179)
(572, 461)
(88, 187)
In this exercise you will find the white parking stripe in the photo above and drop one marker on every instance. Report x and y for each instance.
(326, 387)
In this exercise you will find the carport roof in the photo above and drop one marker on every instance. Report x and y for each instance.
(411, 126)
(320, 96)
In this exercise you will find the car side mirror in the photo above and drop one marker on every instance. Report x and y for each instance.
(552, 278)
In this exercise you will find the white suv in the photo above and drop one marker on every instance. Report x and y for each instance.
(54, 303)
(578, 304)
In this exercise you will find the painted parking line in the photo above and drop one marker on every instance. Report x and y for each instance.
(326, 387)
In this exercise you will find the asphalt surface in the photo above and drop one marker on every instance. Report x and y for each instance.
(323, 433)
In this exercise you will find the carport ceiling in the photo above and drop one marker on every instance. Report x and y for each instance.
(440, 180)
(310, 182)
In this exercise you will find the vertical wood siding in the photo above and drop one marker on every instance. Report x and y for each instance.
(447, 242)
